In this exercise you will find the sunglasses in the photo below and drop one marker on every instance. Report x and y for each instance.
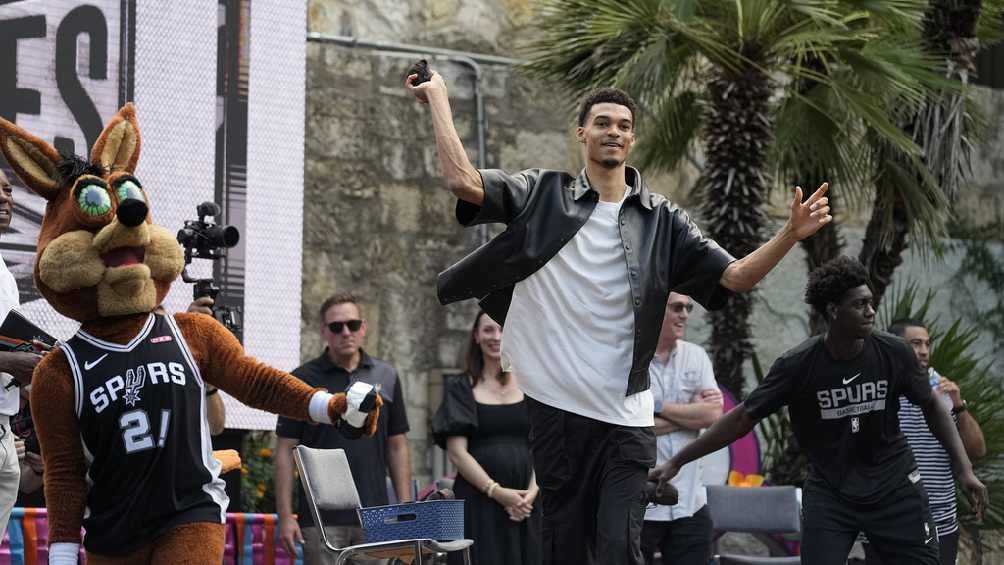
(354, 325)
(678, 307)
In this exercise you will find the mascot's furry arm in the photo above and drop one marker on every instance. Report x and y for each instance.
(222, 363)
(56, 425)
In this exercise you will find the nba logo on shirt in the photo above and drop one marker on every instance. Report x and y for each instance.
(855, 425)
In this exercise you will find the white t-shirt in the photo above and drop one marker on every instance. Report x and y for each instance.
(687, 371)
(569, 333)
(10, 401)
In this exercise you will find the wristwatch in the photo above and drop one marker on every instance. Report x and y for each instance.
(960, 409)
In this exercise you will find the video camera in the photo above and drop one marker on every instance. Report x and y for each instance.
(209, 240)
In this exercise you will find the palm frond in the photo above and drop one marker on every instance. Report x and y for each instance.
(990, 26)
(665, 142)
(898, 16)
(903, 180)
(833, 150)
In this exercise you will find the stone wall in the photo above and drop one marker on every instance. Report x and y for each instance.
(377, 219)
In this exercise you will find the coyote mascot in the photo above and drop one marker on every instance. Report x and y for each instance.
(120, 407)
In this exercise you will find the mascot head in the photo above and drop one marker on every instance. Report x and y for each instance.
(99, 254)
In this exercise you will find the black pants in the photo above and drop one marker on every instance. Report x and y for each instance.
(948, 550)
(686, 541)
(899, 526)
(591, 476)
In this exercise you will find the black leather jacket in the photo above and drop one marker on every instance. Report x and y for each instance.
(543, 209)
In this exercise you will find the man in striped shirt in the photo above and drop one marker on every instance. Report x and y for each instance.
(932, 460)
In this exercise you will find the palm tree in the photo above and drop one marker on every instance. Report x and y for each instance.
(729, 75)
(943, 127)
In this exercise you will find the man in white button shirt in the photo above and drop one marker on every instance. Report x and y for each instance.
(687, 399)
(15, 367)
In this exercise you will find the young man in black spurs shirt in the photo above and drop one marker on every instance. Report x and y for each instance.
(842, 390)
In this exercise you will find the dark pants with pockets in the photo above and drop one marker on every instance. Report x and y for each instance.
(591, 476)
(684, 541)
(898, 525)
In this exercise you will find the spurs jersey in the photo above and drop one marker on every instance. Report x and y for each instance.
(845, 412)
(142, 414)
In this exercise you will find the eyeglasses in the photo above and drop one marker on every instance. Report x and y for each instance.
(353, 325)
(678, 307)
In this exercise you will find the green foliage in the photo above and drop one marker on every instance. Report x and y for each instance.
(257, 486)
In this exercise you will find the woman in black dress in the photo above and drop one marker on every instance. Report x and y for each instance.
(484, 426)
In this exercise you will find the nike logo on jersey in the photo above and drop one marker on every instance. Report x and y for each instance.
(88, 365)
(848, 381)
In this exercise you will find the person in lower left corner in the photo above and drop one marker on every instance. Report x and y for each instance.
(483, 424)
(687, 400)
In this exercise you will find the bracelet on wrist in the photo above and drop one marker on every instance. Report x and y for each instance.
(491, 489)
(211, 391)
(960, 409)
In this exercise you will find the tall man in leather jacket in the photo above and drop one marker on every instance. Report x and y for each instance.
(580, 279)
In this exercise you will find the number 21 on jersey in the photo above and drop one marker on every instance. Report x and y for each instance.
(135, 425)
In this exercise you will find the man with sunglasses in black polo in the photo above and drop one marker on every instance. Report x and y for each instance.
(343, 362)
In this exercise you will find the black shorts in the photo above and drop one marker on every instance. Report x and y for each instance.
(899, 525)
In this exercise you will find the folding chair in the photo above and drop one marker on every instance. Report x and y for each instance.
(327, 482)
(759, 511)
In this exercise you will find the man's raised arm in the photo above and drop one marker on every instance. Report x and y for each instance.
(806, 219)
(461, 177)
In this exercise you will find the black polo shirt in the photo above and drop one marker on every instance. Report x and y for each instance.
(367, 455)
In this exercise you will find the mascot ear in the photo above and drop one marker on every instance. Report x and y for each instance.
(117, 148)
(32, 159)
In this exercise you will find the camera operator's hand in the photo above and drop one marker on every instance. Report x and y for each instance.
(202, 305)
(19, 364)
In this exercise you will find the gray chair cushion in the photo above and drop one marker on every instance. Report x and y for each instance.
(754, 509)
(326, 478)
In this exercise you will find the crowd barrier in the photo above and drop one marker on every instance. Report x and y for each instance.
(251, 540)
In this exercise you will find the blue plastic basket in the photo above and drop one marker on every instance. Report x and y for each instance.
(434, 519)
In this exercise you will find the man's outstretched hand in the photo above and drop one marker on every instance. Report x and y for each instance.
(665, 492)
(810, 216)
(434, 86)
(975, 492)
